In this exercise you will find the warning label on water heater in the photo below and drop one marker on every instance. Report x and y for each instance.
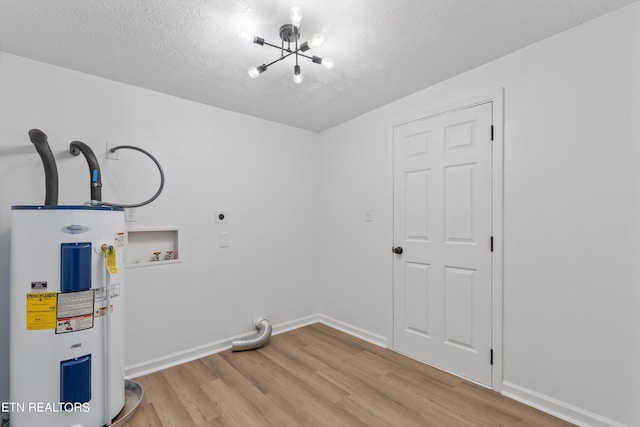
(72, 324)
(75, 311)
(100, 308)
(41, 310)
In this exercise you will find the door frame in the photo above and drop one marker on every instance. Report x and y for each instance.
(495, 96)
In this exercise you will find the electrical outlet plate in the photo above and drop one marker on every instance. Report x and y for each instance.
(222, 216)
(368, 215)
(130, 215)
(223, 240)
(112, 156)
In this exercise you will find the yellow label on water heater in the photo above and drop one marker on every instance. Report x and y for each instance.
(112, 268)
(41, 310)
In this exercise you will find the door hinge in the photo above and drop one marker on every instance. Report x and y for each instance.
(491, 356)
(492, 132)
(491, 243)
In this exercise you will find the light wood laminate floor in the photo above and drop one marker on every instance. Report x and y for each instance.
(318, 376)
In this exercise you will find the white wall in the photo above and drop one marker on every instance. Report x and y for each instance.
(263, 173)
(571, 191)
(572, 180)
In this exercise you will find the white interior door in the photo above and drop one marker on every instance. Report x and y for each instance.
(442, 222)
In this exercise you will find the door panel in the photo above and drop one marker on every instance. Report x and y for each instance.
(417, 202)
(417, 298)
(459, 303)
(442, 220)
(459, 211)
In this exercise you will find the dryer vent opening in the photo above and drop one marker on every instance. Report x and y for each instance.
(254, 341)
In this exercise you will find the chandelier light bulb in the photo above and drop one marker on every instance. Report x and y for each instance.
(327, 63)
(253, 72)
(256, 71)
(296, 16)
(297, 77)
(316, 41)
(245, 36)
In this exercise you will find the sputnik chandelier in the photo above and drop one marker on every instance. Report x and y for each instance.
(290, 34)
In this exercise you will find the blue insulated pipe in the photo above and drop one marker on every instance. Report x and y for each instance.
(77, 147)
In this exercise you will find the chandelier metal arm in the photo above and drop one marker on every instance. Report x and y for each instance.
(290, 52)
(273, 45)
(306, 56)
(278, 60)
(300, 49)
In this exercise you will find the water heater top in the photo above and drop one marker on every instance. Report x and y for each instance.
(66, 207)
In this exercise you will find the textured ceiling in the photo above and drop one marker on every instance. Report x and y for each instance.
(383, 49)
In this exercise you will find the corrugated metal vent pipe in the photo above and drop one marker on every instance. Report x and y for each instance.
(254, 341)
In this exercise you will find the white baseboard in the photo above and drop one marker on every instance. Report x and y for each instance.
(198, 352)
(363, 334)
(557, 408)
(178, 358)
(295, 324)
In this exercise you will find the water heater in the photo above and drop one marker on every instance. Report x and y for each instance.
(67, 316)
